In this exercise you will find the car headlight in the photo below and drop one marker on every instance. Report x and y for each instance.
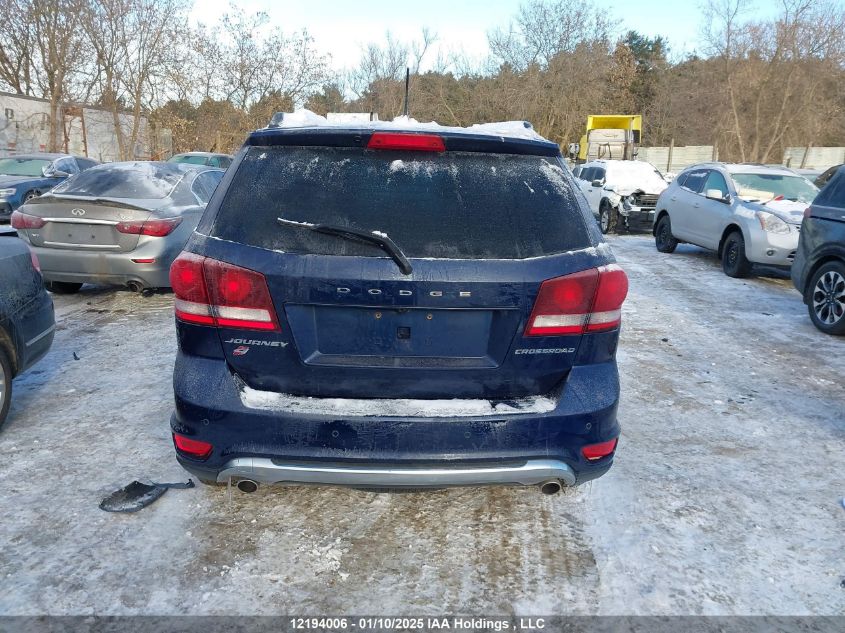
(5, 193)
(772, 223)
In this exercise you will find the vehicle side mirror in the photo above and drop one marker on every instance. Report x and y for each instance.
(54, 173)
(715, 194)
(598, 183)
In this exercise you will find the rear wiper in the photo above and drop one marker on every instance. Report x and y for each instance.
(378, 239)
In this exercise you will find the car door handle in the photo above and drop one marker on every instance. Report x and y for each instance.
(673, 198)
(696, 205)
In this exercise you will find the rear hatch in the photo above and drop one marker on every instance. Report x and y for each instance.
(481, 231)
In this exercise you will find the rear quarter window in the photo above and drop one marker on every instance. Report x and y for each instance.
(456, 205)
(833, 194)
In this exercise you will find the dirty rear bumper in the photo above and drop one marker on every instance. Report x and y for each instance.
(530, 472)
(372, 450)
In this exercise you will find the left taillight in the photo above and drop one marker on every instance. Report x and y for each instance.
(154, 228)
(212, 292)
(196, 449)
(586, 301)
(26, 221)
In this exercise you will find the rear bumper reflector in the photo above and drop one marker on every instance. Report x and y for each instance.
(150, 260)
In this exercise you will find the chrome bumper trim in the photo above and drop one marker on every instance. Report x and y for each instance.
(263, 470)
(33, 341)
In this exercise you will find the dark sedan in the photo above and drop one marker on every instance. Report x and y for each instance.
(26, 176)
(26, 314)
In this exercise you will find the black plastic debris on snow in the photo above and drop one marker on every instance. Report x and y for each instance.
(138, 495)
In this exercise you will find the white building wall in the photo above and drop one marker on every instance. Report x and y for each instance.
(25, 127)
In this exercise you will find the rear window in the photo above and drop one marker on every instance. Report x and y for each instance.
(142, 181)
(833, 195)
(456, 205)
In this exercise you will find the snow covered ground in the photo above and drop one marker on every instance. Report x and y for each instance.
(725, 497)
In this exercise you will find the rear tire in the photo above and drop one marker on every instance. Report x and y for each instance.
(827, 298)
(734, 262)
(663, 239)
(5, 385)
(608, 219)
(62, 287)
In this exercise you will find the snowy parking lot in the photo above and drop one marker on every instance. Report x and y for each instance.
(725, 497)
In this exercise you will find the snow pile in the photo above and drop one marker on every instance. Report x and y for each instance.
(503, 129)
(627, 176)
(406, 407)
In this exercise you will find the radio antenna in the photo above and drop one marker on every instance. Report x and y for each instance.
(407, 85)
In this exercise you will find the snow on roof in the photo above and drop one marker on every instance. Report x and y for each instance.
(304, 118)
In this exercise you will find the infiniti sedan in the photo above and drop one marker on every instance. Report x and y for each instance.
(120, 223)
(748, 214)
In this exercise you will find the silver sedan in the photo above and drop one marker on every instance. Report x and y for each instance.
(119, 223)
(748, 214)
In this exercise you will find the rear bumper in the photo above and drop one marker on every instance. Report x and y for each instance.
(531, 472)
(275, 446)
(109, 268)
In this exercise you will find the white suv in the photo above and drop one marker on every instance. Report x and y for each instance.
(621, 193)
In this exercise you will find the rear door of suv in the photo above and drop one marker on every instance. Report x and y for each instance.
(481, 230)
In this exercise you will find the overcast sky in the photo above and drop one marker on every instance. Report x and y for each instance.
(341, 27)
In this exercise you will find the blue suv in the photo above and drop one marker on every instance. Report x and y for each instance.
(382, 307)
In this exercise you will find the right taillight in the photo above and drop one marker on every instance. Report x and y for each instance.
(586, 301)
(211, 292)
(26, 221)
(808, 212)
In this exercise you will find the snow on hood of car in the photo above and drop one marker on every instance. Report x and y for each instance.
(626, 177)
(402, 407)
(510, 129)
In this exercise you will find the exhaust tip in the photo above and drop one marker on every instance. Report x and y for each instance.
(135, 286)
(247, 485)
(550, 487)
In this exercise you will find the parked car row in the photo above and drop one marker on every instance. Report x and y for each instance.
(755, 214)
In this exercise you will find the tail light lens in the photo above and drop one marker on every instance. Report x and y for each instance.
(26, 221)
(592, 452)
(587, 301)
(192, 448)
(211, 292)
(153, 228)
(35, 263)
(413, 142)
(808, 211)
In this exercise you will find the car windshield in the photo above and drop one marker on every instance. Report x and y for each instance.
(185, 158)
(22, 166)
(768, 186)
(143, 181)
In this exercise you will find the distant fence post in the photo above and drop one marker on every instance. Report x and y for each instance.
(669, 158)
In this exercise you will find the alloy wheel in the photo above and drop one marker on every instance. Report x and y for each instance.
(605, 219)
(829, 298)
